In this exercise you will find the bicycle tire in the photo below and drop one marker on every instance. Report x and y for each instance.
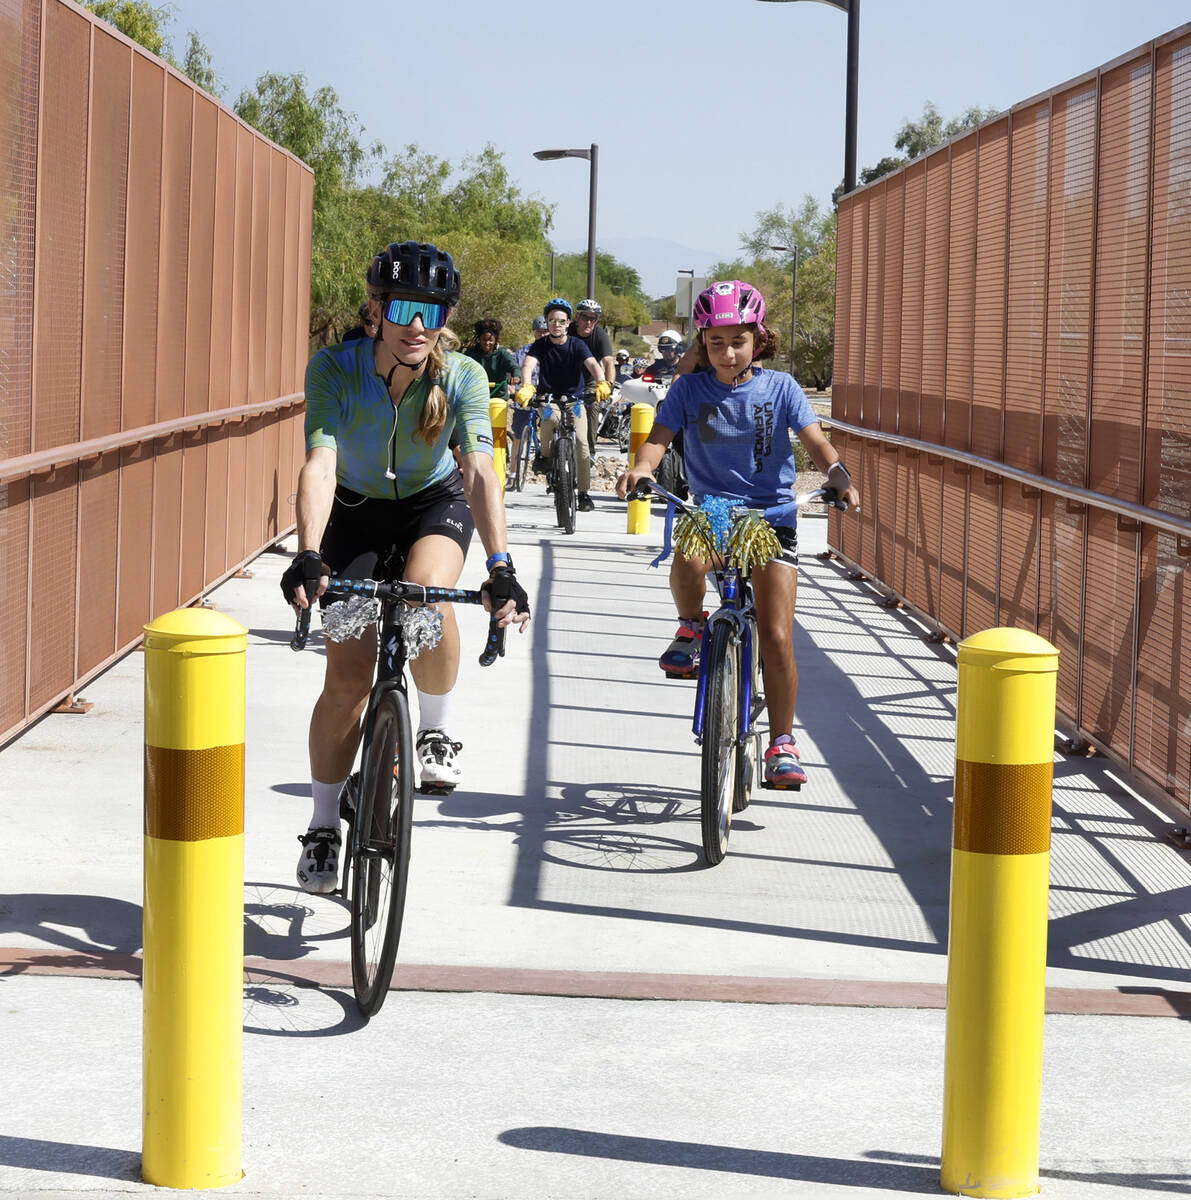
(721, 726)
(380, 849)
(524, 454)
(564, 483)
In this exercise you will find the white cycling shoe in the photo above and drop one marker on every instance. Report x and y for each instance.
(318, 868)
(436, 755)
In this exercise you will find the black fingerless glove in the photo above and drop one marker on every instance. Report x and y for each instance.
(306, 569)
(503, 586)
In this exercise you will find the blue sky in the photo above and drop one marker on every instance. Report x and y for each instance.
(678, 96)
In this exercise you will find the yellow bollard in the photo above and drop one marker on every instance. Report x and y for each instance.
(498, 410)
(1000, 867)
(194, 899)
(640, 423)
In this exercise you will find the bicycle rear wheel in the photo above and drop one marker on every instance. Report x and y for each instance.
(721, 726)
(564, 482)
(380, 851)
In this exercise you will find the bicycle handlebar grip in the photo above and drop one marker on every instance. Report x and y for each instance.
(494, 648)
(832, 498)
(301, 630)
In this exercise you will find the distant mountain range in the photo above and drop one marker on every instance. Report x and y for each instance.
(656, 260)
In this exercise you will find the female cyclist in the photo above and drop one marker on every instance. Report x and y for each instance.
(736, 417)
(380, 478)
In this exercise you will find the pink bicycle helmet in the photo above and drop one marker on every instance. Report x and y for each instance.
(730, 302)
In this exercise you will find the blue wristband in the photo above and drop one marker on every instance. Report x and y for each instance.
(499, 557)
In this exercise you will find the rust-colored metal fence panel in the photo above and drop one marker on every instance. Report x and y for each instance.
(150, 366)
(1013, 388)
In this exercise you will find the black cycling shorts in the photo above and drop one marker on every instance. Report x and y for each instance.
(789, 540)
(371, 539)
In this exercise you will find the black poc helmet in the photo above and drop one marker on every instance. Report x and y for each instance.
(418, 269)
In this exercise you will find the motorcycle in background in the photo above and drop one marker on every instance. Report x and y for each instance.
(671, 472)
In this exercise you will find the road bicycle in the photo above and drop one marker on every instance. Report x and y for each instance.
(377, 800)
(529, 446)
(729, 700)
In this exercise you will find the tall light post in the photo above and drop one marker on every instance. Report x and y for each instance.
(593, 156)
(852, 8)
(793, 300)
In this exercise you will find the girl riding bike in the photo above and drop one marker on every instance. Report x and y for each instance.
(736, 417)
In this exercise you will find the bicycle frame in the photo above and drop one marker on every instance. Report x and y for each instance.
(735, 607)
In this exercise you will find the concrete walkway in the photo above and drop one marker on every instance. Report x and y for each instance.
(588, 1011)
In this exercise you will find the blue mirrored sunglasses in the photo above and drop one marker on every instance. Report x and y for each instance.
(402, 312)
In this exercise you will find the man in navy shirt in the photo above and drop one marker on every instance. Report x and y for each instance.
(560, 361)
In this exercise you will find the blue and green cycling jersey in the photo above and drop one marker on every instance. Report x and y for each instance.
(348, 410)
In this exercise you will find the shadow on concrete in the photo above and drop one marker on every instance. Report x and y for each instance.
(701, 1156)
(899, 783)
(65, 1158)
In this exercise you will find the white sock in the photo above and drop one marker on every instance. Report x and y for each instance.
(326, 803)
(434, 711)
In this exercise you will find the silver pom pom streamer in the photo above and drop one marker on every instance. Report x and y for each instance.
(347, 619)
(423, 630)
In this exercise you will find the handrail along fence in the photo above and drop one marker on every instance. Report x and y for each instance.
(154, 284)
(1013, 384)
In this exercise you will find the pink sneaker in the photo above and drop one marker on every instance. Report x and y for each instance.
(782, 768)
(681, 656)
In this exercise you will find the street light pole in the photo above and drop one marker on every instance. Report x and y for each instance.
(591, 220)
(852, 8)
(592, 154)
(793, 301)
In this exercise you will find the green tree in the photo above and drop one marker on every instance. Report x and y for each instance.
(139, 20)
(813, 233)
(198, 65)
(930, 130)
(917, 137)
(315, 128)
(618, 288)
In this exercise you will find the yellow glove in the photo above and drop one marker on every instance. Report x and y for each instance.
(524, 394)
(603, 390)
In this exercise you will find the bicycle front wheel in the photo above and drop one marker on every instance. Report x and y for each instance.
(721, 726)
(564, 483)
(524, 454)
(380, 850)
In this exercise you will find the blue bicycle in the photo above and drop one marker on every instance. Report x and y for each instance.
(729, 699)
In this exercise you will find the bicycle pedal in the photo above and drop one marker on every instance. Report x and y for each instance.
(781, 787)
(674, 675)
(435, 789)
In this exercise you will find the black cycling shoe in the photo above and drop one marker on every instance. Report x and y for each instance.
(585, 503)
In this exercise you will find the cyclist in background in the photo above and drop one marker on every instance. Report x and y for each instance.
(624, 366)
(366, 327)
(498, 362)
(737, 418)
(518, 419)
(669, 350)
(379, 476)
(561, 361)
(587, 328)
